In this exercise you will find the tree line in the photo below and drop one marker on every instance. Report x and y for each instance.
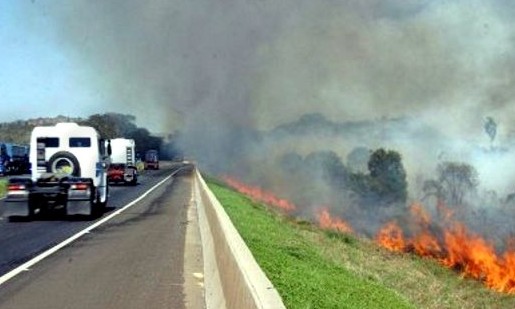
(378, 177)
(109, 125)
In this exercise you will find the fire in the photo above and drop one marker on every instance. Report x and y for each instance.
(259, 194)
(325, 221)
(391, 237)
(450, 243)
(453, 246)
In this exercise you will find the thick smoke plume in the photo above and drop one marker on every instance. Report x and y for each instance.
(234, 77)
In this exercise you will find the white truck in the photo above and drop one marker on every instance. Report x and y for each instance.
(122, 168)
(69, 173)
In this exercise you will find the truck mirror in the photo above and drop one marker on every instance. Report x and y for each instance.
(109, 149)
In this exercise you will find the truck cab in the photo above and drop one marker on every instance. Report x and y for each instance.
(69, 173)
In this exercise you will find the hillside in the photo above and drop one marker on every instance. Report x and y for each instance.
(317, 268)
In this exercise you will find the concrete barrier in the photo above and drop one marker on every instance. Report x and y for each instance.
(232, 277)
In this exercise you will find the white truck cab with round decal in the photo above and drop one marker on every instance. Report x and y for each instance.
(69, 173)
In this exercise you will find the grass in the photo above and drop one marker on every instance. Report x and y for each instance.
(314, 268)
(3, 187)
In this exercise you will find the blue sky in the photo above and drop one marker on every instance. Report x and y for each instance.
(37, 79)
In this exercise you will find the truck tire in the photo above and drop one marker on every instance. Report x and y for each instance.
(64, 160)
(97, 206)
(134, 181)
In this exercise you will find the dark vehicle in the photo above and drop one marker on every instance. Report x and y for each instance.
(152, 159)
(14, 159)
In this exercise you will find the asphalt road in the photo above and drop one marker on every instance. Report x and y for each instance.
(141, 258)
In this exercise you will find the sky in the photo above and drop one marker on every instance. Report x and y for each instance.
(259, 63)
(37, 78)
(262, 59)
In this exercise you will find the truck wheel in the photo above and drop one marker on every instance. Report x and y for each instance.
(134, 180)
(97, 206)
(64, 162)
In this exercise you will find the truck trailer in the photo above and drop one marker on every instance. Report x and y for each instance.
(122, 168)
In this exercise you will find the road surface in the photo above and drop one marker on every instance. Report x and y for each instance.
(148, 256)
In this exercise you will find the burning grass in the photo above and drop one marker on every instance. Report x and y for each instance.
(325, 268)
(455, 246)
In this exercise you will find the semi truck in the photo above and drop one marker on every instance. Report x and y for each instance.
(122, 168)
(68, 176)
(151, 159)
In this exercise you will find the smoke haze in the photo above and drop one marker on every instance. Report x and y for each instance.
(220, 71)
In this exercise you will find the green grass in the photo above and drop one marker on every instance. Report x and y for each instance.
(313, 268)
(3, 187)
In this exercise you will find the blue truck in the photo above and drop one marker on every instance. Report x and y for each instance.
(14, 159)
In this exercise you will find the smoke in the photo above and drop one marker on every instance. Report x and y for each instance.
(226, 73)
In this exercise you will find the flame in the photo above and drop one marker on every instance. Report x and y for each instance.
(453, 246)
(325, 221)
(391, 237)
(259, 194)
(450, 243)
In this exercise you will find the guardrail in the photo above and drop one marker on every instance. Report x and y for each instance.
(233, 279)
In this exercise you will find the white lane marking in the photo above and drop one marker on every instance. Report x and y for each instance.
(26, 266)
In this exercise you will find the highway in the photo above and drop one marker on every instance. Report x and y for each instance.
(146, 256)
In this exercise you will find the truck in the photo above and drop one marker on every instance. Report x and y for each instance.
(151, 159)
(14, 159)
(68, 175)
(122, 168)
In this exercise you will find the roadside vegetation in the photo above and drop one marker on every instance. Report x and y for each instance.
(3, 187)
(315, 268)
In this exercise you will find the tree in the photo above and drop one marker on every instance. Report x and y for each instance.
(112, 125)
(329, 164)
(388, 176)
(455, 180)
(291, 162)
(357, 159)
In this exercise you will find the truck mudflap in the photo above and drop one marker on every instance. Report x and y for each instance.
(16, 210)
(78, 207)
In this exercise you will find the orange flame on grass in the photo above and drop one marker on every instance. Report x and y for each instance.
(326, 221)
(259, 194)
(453, 246)
(391, 237)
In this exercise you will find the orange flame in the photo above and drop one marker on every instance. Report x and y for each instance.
(325, 221)
(259, 194)
(391, 237)
(457, 248)
(451, 245)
